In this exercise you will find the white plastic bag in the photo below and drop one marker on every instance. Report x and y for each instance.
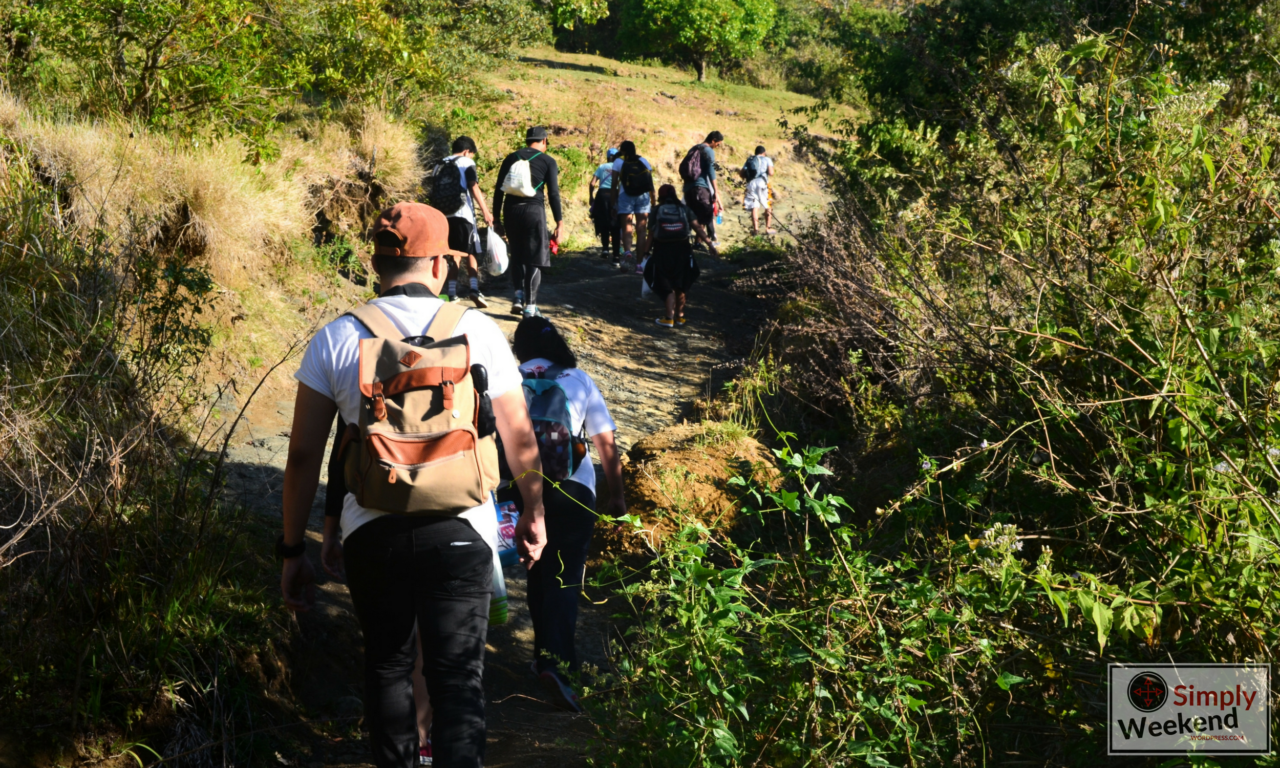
(519, 180)
(495, 250)
(646, 290)
(486, 525)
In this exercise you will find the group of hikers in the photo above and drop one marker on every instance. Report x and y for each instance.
(440, 421)
(649, 228)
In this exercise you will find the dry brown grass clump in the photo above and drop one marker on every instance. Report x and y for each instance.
(679, 476)
(203, 199)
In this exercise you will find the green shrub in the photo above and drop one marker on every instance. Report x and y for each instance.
(127, 614)
(1052, 336)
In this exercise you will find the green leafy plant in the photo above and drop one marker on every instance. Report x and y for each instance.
(699, 32)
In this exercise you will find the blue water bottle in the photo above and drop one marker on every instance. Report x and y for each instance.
(719, 219)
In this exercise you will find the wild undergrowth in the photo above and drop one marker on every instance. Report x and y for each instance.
(1046, 349)
(129, 623)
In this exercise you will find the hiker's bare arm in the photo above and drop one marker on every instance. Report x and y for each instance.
(312, 416)
(611, 462)
(478, 196)
(521, 447)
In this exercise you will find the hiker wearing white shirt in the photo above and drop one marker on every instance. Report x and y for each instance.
(633, 196)
(464, 233)
(555, 583)
(418, 569)
(757, 172)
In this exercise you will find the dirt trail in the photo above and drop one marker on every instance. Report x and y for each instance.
(649, 375)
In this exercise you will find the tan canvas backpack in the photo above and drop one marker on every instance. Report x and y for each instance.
(416, 449)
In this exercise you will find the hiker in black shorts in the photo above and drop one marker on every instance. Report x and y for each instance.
(671, 269)
(462, 213)
(521, 217)
(700, 191)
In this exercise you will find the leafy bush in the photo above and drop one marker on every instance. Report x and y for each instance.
(696, 31)
(1052, 336)
(233, 66)
(122, 618)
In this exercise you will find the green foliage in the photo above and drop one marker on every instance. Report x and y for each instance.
(162, 61)
(1052, 334)
(700, 32)
(949, 59)
(121, 576)
(232, 66)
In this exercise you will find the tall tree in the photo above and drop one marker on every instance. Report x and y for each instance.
(701, 32)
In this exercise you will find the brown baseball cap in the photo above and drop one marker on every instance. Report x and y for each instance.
(422, 232)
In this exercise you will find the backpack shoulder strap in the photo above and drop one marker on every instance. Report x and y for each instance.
(446, 320)
(376, 321)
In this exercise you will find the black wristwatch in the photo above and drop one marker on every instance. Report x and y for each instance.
(285, 553)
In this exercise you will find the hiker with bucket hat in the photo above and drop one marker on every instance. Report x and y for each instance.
(423, 386)
(528, 178)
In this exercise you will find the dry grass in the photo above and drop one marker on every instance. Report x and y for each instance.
(203, 198)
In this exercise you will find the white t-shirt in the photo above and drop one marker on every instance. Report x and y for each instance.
(617, 171)
(467, 167)
(586, 407)
(331, 363)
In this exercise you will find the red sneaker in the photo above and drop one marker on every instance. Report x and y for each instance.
(424, 754)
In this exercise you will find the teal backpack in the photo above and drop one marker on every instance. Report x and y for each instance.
(561, 452)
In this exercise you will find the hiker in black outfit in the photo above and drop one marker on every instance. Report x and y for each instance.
(672, 269)
(604, 213)
(522, 219)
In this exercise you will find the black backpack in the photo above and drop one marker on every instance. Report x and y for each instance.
(447, 187)
(751, 170)
(671, 223)
(636, 178)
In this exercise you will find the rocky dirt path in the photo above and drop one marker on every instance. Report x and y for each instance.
(649, 376)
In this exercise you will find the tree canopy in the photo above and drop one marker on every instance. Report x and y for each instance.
(700, 32)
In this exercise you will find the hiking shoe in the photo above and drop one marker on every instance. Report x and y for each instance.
(771, 231)
(639, 268)
(479, 300)
(532, 311)
(665, 323)
(680, 320)
(562, 696)
(424, 754)
(516, 308)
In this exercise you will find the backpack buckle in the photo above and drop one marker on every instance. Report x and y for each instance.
(380, 407)
(446, 387)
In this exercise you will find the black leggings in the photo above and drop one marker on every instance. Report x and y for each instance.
(526, 279)
(437, 572)
(555, 581)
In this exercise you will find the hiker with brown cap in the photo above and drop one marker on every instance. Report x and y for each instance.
(423, 386)
(527, 177)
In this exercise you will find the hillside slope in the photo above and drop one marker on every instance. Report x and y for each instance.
(591, 103)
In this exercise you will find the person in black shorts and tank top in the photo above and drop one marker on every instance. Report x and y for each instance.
(523, 220)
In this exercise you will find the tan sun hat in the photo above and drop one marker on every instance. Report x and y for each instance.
(422, 231)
